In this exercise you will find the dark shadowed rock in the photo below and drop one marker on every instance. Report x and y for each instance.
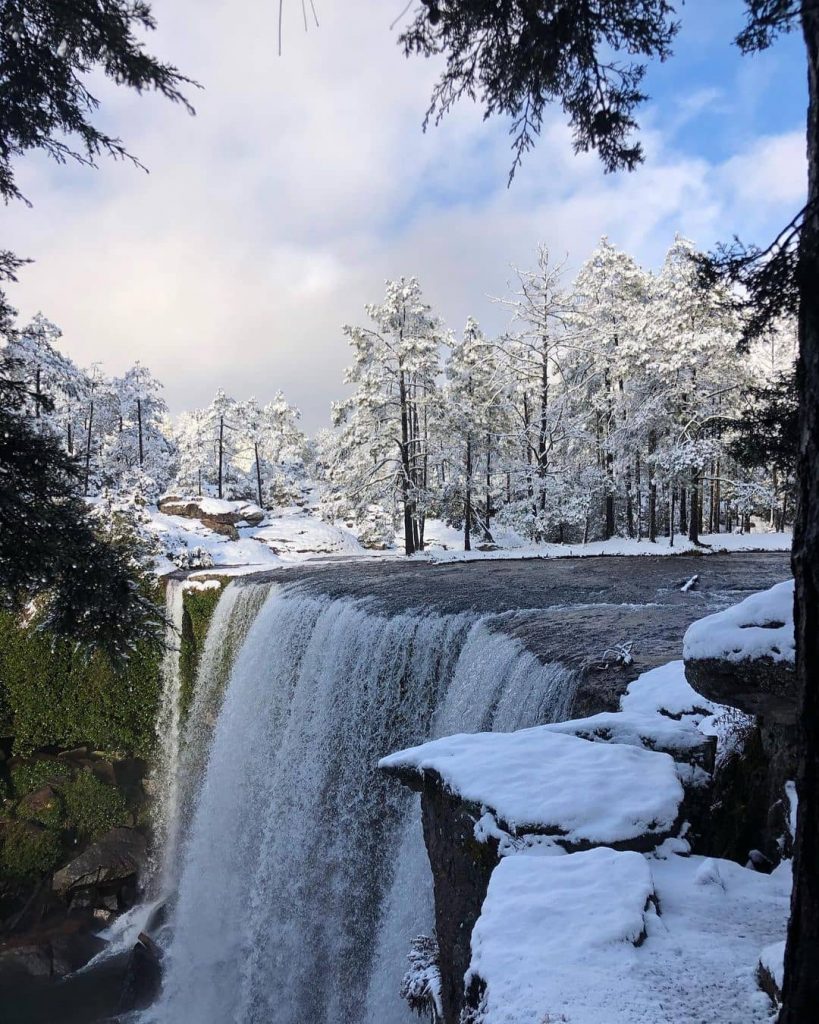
(760, 686)
(143, 976)
(114, 859)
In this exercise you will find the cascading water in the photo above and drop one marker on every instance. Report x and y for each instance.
(232, 618)
(165, 773)
(303, 875)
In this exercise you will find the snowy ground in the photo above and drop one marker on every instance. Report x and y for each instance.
(294, 534)
(557, 939)
(290, 535)
(711, 544)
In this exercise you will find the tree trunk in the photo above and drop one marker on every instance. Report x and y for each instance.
(88, 447)
(694, 512)
(609, 509)
(468, 495)
(409, 536)
(139, 426)
(801, 985)
(221, 450)
(717, 497)
(258, 473)
(487, 530)
(652, 490)
(683, 510)
(671, 518)
(639, 486)
(629, 504)
(37, 394)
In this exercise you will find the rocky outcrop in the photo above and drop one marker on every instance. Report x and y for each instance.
(760, 686)
(222, 517)
(48, 952)
(461, 868)
(143, 975)
(105, 867)
(574, 786)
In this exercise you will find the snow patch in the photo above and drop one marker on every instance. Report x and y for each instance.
(761, 626)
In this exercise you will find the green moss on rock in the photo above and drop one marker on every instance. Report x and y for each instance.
(28, 775)
(199, 606)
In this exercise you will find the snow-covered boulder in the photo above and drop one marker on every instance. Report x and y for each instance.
(744, 656)
(552, 924)
(761, 626)
(217, 514)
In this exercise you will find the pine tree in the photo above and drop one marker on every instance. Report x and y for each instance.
(385, 454)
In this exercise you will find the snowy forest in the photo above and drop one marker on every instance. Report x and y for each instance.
(618, 405)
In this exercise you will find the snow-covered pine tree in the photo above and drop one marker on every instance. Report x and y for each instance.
(475, 420)
(384, 454)
(137, 452)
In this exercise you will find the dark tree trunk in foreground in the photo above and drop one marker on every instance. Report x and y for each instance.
(801, 987)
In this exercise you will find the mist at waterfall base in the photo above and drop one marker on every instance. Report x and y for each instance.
(296, 873)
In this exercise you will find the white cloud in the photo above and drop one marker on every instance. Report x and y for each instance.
(274, 215)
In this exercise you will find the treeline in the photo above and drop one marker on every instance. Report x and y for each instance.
(118, 429)
(620, 406)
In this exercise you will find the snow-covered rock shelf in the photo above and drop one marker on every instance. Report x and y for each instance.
(587, 904)
(538, 780)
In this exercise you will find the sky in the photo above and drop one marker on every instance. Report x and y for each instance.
(305, 181)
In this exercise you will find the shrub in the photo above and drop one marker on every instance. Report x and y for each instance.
(56, 694)
(27, 851)
(91, 807)
(26, 776)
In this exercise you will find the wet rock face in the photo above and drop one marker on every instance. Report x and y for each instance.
(461, 868)
(143, 976)
(51, 952)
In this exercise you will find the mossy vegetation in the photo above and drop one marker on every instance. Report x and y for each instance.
(92, 807)
(27, 850)
(54, 694)
(199, 607)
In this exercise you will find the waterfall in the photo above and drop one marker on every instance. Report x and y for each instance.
(163, 780)
(302, 874)
(232, 618)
